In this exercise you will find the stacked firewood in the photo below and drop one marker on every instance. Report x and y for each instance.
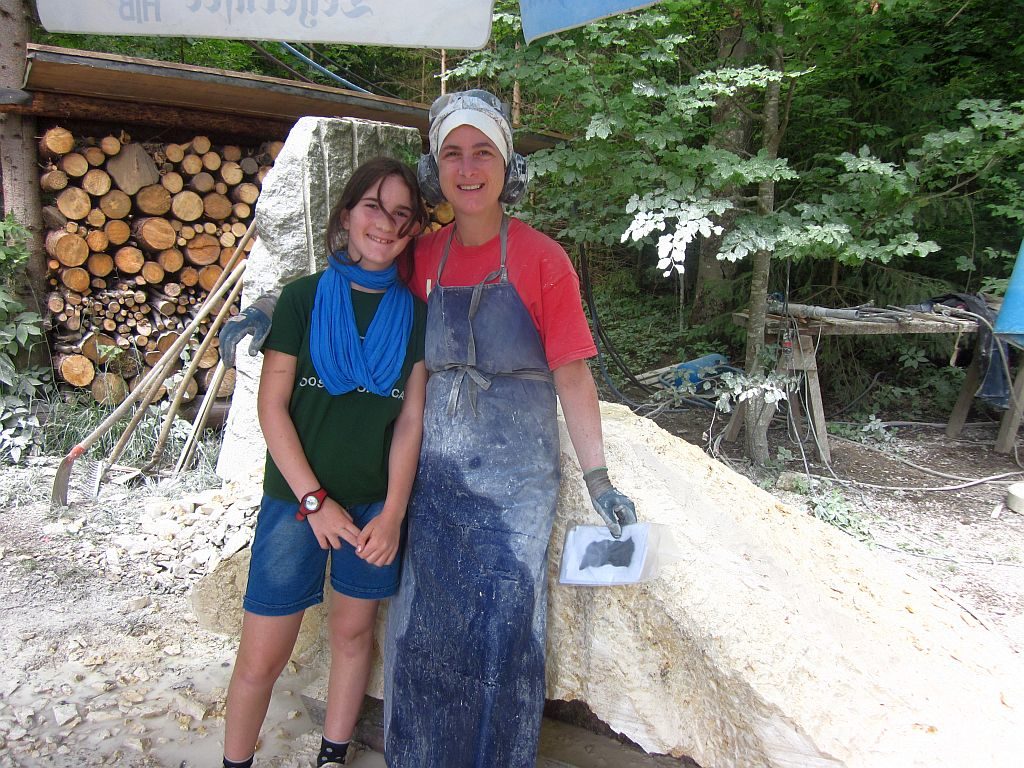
(137, 234)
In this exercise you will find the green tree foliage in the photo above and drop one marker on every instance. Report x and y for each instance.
(231, 55)
(20, 330)
(878, 132)
(901, 81)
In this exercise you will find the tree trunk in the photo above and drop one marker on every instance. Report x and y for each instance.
(18, 151)
(709, 298)
(756, 421)
(732, 130)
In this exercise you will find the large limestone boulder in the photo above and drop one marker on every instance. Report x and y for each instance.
(308, 176)
(777, 641)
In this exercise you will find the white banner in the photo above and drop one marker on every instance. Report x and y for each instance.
(405, 23)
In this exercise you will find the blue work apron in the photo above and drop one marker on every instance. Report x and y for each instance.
(464, 654)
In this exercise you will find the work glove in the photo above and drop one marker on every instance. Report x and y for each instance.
(615, 508)
(254, 320)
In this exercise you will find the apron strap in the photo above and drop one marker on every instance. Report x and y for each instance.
(468, 370)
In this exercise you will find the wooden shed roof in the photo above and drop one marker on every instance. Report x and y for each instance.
(86, 85)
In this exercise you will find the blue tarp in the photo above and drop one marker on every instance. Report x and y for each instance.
(545, 17)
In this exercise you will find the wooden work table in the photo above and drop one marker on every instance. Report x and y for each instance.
(804, 335)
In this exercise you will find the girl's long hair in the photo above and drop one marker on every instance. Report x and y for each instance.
(372, 174)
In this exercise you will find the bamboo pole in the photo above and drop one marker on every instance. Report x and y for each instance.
(189, 449)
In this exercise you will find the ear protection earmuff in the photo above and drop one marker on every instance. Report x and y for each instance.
(512, 191)
(430, 181)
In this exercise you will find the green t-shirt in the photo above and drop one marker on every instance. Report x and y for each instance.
(346, 438)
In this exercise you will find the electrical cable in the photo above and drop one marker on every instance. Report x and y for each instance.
(944, 559)
(960, 487)
(348, 72)
(322, 70)
(274, 60)
(1004, 358)
(791, 419)
(918, 467)
(598, 328)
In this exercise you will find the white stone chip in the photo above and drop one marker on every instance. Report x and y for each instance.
(64, 713)
(235, 542)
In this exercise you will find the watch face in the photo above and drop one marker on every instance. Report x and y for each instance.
(312, 503)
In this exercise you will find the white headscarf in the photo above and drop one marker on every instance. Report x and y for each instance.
(466, 109)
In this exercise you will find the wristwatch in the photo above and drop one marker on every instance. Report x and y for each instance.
(311, 503)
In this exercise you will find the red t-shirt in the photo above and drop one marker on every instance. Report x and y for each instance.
(538, 268)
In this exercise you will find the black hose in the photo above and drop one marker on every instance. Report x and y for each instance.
(603, 341)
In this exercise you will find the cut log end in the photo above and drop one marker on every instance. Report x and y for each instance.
(56, 141)
(109, 389)
(77, 370)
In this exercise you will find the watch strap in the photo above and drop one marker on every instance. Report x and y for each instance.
(302, 513)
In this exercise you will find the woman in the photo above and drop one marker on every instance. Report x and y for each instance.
(464, 657)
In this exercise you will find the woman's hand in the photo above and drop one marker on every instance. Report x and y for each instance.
(332, 524)
(379, 539)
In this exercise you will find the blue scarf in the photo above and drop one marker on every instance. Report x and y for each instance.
(344, 361)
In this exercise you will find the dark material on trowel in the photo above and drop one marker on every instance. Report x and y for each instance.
(617, 553)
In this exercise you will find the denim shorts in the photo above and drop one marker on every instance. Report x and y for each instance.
(287, 569)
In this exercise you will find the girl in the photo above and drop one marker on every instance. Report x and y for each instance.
(341, 406)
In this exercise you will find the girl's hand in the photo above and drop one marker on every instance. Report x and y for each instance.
(332, 525)
(379, 539)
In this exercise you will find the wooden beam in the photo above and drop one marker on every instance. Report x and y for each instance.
(958, 416)
(84, 108)
(127, 80)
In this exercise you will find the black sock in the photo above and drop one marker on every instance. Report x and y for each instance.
(238, 763)
(331, 752)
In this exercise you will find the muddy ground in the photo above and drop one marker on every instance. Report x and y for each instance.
(105, 664)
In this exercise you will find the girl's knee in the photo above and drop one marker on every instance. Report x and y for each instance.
(351, 640)
(258, 672)
(352, 623)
